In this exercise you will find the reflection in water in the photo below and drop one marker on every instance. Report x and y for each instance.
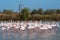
(23, 35)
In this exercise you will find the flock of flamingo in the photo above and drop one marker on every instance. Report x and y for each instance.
(29, 24)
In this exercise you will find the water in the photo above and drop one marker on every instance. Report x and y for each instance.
(32, 35)
(45, 35)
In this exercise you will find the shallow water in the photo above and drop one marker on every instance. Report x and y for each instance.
(42, 35)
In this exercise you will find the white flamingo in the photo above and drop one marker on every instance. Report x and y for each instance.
(3, 28)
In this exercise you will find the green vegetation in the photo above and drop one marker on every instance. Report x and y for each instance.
(26, 14)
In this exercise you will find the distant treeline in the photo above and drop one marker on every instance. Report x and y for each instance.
(26, 14)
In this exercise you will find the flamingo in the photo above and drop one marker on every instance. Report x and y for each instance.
(3, 28)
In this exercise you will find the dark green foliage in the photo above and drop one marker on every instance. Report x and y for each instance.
(34, 11)
(26, 14)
